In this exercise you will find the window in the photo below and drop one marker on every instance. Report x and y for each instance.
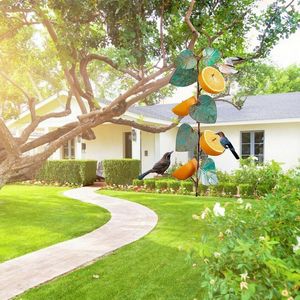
(68, 150)
(252, 143)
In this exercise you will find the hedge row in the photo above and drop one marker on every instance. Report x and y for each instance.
(121, 171)
(78, 172)
(228, 189)
(175, 185)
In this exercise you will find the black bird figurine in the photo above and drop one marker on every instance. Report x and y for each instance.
(160, 167)
(226, 144)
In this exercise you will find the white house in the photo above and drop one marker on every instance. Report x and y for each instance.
(268, 127)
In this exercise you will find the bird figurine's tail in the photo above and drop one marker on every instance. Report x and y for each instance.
(235, 154)
(141, 176)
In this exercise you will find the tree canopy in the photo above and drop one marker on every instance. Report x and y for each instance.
(122, 50)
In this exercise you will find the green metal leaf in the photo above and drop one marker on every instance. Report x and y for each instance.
(184, 77)
(186, 60)
(186, 139)
(211, 56)
(205, 111)
(208, 173)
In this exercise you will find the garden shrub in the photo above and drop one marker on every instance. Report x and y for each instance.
(78, 172)
(230, 188)
(219, 188)
(251, 173)
(161, 184)
(149, 184)
(137, 182)
(121, 171)
(187, 185)
(202, 189)
(246, 190)
(174, 185)
(224, 176)
(255, 259)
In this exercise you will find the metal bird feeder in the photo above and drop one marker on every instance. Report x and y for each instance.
(207, 72)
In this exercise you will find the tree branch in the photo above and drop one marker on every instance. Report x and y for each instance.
(7, 140)
(161, 33)
(38, 119)
(108, 61)
(144, 127)
(195, 33)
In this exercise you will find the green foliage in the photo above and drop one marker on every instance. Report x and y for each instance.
(219, 188)
(257, 78)
(230, 188)
(174, 185)
(150, 184)
(161, 184)
(188, 185)
(137, 182)
(256, 259)
(126, 32)
(224, 176)
(203, 189)
(79, 172)
(262, 178)
(246, 190)
(121, 171)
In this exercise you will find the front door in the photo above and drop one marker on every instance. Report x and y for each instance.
(128, 145)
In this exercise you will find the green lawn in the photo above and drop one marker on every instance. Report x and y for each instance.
(34, 217)
(159, 266)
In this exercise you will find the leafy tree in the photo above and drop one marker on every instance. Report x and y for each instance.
(85, 46)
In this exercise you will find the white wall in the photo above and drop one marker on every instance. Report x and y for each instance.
(109, 142)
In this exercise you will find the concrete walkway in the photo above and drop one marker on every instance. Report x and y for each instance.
(129, 222)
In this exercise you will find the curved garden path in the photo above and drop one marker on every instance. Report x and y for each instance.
(129, 222)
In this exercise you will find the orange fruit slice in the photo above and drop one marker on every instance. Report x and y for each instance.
(186, 170)
(182, 109)
(210, 143)
(211, 80)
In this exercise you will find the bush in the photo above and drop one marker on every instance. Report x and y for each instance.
(202, 189)
(267, 175)
(246, 190)
(137, 182)
(161, 184)
(255, 260)
(149, 184)
(219, 188)
(224, 176)
(230, 189)
(188, 185)
(78, 172)
(121, 171)
(174, 185)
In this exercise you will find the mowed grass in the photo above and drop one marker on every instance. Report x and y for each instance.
(34, 217)
(159, 266)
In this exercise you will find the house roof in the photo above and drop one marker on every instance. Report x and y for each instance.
(272, 108)
(256, 108)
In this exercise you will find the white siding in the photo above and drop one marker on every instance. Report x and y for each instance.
(109, 142)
